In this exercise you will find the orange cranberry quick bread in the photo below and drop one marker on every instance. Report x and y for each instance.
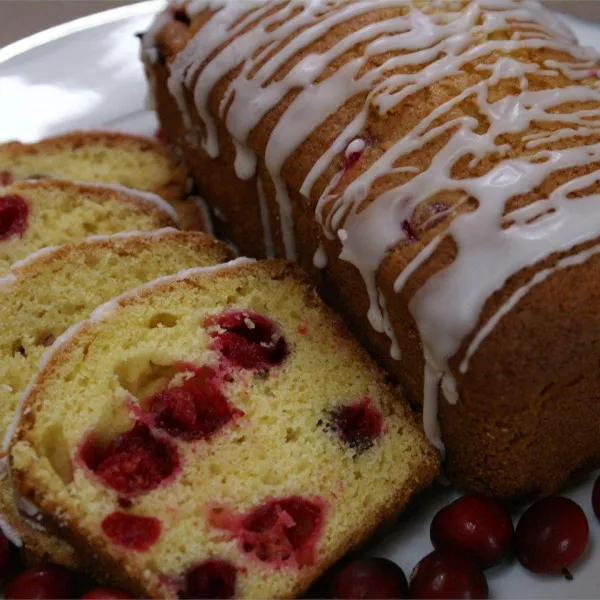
(104, 157)
(43, 296)
(216, 430)
(437, 166)
(36, 214)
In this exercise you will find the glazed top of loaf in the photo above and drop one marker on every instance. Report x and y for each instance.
(410, 123)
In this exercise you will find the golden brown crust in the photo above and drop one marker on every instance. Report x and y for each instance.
(526, 415)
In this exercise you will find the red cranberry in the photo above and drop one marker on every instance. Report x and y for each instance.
(44, 582)
(14, 213)
(6, 178)
(106, 594)
(5, 557)
(359, 425)
(475, 526)
(160, 136)
(250, 341)
(596, 498)
(443, 574)
(551, 535)
(369, 578)
(283, 530)
(195, 410)
(134, 462)
(211, 579)
(132, 531)
(408, 229)
(182, 16)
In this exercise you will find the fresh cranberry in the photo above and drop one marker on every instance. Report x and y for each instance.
(365, 578)
(6, 178)
(249, 340)
(46, 581)
(551, 535)
(358, 425)
(134, 462)
(475, 526)
(211, 579)
(596, 498)
(194, 410)
(106, 594)
(14, 213)
(132, 531)
(443, 574)
(283, 530)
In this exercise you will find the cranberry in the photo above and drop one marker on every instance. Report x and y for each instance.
(551, 535)
(283, 530)
(131, 531)
(106, 594)
(369, 578)
(444, 574)
(134, 462)
(475, 526)
(46, 581)
(182, 16)
(359, 425)
(596, 498)
(5, 557)
(211, 579)
(6, 178)
(250, 341)
(195, 410)
(160, 136)
(14, 213)
(408, 229)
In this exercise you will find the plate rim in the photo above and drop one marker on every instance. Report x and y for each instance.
(63, 30)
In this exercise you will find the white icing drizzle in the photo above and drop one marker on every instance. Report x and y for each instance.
(320, 257)
(482, 334)
(415, 50)
(10, 532)
(265, 218)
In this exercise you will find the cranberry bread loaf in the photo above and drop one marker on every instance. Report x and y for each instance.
(36, 214)
(104, 157)
(218, 429)
(436, 166)
(51, 291)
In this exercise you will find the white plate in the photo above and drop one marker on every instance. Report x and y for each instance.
(86, 74)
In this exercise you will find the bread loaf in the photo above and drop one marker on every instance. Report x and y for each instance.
(435, 165)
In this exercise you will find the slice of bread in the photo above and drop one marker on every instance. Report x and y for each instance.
(36, 214)
(104, 157)
(219, 429)
(43, 296)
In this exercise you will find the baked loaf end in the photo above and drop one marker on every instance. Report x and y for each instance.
(222, 426)
(109, 157)
(41, 298)
(436, 167)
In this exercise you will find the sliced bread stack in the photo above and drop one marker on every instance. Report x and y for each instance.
(105, 157)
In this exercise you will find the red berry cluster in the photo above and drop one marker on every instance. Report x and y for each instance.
(470, 535)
